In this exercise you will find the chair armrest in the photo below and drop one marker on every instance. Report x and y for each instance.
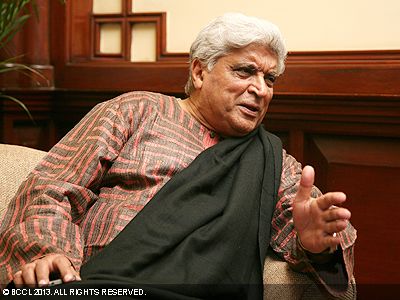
(281, 282)
(16, 162)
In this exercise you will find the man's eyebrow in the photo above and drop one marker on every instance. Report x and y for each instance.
(273, 72)
(253, 67)
(245, 65)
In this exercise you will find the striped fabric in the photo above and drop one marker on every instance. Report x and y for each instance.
(105, 170)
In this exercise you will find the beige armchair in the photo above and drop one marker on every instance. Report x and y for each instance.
(280, 282)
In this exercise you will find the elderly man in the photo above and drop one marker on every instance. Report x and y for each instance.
(151, 190)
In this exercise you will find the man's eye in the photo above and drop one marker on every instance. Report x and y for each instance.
(244, 71)
(270, 79)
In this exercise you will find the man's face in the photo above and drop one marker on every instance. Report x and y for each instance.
(233, 97)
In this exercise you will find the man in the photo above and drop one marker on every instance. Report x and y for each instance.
(202, 173)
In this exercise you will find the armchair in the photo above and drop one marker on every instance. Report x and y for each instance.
(280, 282)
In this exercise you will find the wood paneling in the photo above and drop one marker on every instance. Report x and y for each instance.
(77, 66)
(367, 170)
(344, 73)
(357, 152)
(31, 46)
(332, 114)
(17, 128)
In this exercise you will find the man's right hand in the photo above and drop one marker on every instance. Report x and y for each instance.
(37, 272)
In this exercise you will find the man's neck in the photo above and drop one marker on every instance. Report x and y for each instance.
(189, 105)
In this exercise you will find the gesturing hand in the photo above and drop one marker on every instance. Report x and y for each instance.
(37, 272)
(317, 219)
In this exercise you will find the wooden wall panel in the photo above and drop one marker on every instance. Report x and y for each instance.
(353, 142)
(342, 73)
(17, 128)
(31, 46)
(367, 169)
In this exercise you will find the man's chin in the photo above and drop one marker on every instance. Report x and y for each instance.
(243, 131)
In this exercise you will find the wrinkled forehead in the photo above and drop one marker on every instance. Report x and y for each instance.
(257, 55)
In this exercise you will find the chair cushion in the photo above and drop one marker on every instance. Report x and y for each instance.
(16, 162)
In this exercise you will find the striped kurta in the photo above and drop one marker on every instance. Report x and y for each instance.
(105, 170)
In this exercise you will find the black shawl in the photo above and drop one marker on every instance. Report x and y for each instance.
(205, 234)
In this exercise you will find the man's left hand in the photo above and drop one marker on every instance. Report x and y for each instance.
(318, 219)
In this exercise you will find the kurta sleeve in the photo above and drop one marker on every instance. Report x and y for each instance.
(335, 274)
(45, 214)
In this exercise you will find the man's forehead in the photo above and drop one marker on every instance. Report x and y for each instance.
(256, 56)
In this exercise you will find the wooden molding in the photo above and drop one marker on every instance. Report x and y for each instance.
(97, 54)
(38, 77)
(342, 73)
(335, 114)
(365, 75)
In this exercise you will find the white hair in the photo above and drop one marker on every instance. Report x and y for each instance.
(234, 31)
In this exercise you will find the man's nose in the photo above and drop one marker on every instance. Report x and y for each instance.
(259, 86)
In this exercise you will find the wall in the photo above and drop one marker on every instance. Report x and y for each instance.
(307, 25)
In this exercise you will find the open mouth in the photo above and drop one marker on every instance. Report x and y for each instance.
(251, 109)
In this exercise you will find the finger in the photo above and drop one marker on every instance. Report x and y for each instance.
(327, 200)
(336, 214)
(42, 273)
(18, 280)
(28, 274)
(335, 226)
(332, 241)
(67, 271)
(306, 184)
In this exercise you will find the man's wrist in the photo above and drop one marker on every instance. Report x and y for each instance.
(319, 258)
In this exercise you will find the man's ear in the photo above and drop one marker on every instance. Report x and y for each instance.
(197, 74)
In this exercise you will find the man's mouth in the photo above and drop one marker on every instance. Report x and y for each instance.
(249, 109)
